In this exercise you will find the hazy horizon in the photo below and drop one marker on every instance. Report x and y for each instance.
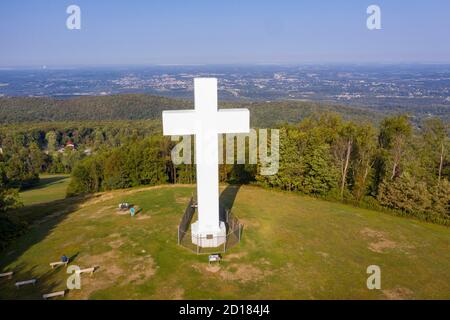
(149, 65)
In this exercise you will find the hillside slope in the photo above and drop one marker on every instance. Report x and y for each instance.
(293, 247)
(139, 106)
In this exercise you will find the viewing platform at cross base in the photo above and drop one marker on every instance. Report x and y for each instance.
(229, 234)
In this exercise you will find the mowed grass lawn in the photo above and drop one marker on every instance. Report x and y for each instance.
(49, 188)
(293, 247)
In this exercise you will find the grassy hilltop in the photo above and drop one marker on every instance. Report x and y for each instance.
(293, 247)
(50, 188)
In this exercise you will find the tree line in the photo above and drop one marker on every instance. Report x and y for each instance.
(394, 167)
(29, 150)
(131, 107)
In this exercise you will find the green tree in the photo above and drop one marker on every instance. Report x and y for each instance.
(52, 141)
(436, 143)
(289, 176)
(406, 194)
(395, 134)
(440, 197)
(363, 159)
(9, 198)
(319, 175)
(342, 151)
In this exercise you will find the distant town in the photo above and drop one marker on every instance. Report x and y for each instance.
(365, 85)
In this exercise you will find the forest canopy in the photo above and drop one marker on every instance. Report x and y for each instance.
(340, 153)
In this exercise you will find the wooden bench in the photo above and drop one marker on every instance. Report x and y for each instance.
(22, 283)
(54, 294)
(87, 270)
(59, 263)
(214, 258)
(7, 274)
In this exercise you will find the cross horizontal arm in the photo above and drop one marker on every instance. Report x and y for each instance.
(179, 122)
(233, 121)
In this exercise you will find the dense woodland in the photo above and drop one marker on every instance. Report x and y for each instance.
(390, 163)
(393, 167)
(145, 107)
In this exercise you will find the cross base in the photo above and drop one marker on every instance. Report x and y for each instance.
(209, 239)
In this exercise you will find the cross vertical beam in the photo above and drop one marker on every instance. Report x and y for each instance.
(206, 122)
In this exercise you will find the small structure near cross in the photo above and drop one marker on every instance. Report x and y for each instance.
(214, 258)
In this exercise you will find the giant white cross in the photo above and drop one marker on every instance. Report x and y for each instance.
(206, 122)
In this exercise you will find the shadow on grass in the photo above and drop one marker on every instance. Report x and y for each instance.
(226, 199)
(73, 257)
(42, 219)
(44, 182)
(45, 283)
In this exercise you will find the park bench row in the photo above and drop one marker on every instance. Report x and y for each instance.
(9, 275)
(53, 265)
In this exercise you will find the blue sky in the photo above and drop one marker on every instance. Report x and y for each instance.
(33, 32)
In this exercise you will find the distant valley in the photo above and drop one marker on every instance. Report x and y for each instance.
(422, 90)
